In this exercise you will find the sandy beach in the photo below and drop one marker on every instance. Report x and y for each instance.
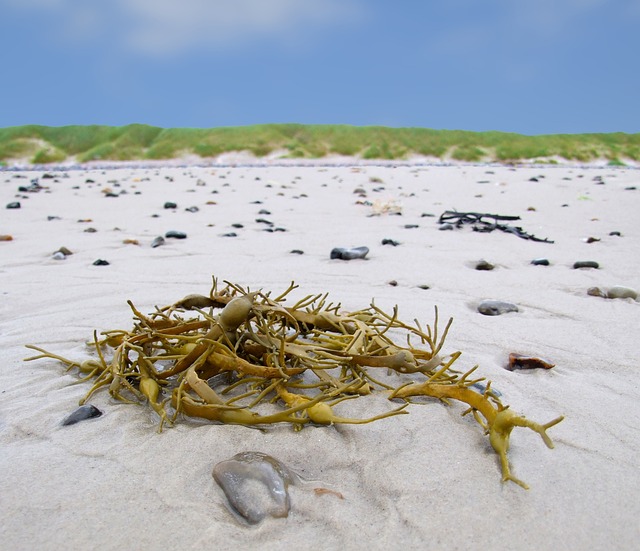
(427, 480)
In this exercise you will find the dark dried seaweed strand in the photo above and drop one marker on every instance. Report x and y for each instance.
(480, 224)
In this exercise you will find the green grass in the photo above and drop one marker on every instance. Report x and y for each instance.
(43, 144)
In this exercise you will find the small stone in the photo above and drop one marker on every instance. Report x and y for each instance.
(157, 242)
(101, 262)
(130, 242)
(264, 212)
(518, 361)
(615, 233)
(390, 242)
(424, 287)
(411, 226)
(483, 265)
(50, 218)
(496, 307)
(585, 264)
(83, 413)
(237, 225)
(264, 221)
(6, 238)
(175, 234)
(90, 230)
(296, 251)
(540, 262)
(58, 256)
(591, 240)
(170, 205)
(393, 283)
(192, 209)
(64, 251)
(349, 254)
(14, 205)
(445, 227)
(230, 234)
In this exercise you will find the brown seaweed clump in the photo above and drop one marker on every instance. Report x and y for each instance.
(245, 358)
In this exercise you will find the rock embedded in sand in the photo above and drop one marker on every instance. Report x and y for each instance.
(157, 242)
(174, 234)
(540, 262)
(585, 264)
(519, 361)
(390, 242)
(296, 251)
(496, 307)
(256, 485)
(349, 254)
(14, 205)
(83, 413)
(101, 262)
(485, 266)
(170, 205)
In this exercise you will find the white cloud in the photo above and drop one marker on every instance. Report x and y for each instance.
(162, 27)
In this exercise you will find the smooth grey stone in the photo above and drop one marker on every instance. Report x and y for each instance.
(230, 234)
(14, 205)
(585, 264)
(83, 413)
(444, 227)
(58, 255)
(170, 205)
(349, 254)
(101, 262)
(496, 307)
(175, 234)
(157, 242)
(390, 242)
(192, 209)
(540, 262)
(296, 251)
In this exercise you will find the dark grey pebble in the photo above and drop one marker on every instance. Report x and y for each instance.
(280, 229)
(237, 226)
(101, 262)
(230, 234)
(615, 233)
(111, 194)
(83, 413)
(296, 251)
(170, 205)
(390, 242)
(349, 254)
(264, 221)
(427, 215)
(540, 262)
(483, 265)
(424, 287)
(264, 211)
(157, 242)
(393, 283)
(411, 226)
(175, 234)
(631, 188)
(14, 205)
(90, 230)
(50, 218)
(585, 264)
(496, 307)
(192, 209)
(444, 227)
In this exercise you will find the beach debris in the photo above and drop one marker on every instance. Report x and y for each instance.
(243, 357)
(250, 501)
(157, 242)
(84, 412)
(617, 291)
(327, 491)
(483, 265)
(100, 262)
(391, 242)
(485, 222)
(519, 361)
(540, 262)
(349, 254)
(492, 307)
(6, 237)
(174, 234)
(585, 264)
(14, 205)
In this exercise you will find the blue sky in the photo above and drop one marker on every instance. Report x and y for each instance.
(527, 66)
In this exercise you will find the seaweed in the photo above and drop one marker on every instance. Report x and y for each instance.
(259, 362)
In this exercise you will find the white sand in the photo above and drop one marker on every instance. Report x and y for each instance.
(427, 480)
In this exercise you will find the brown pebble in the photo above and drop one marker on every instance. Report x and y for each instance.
(131, 242)
(6, 238)
(518, 361)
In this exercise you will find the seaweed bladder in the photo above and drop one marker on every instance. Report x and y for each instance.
(247, 358)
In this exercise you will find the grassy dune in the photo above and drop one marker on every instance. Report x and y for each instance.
(44, 144)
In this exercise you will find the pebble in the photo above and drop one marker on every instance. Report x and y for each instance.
(83, 413)
(483, 265)
(496, 307)
(518, 361)
(175, 234)
(349, 254)
(230, 234)
(58, 255)
(411, 226)
(390, 242)
(90, 230)
(170, 205)
(585, 264)
(424, 287)
(192, 209)
(540, 262)
(615, 233)
(296, 251)
(6, 238)
(101, 262)
(444, 227)
(237, 225)
(157, 242)
(14, 205)
(64, 251)
(393, 283)
(617, 291)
